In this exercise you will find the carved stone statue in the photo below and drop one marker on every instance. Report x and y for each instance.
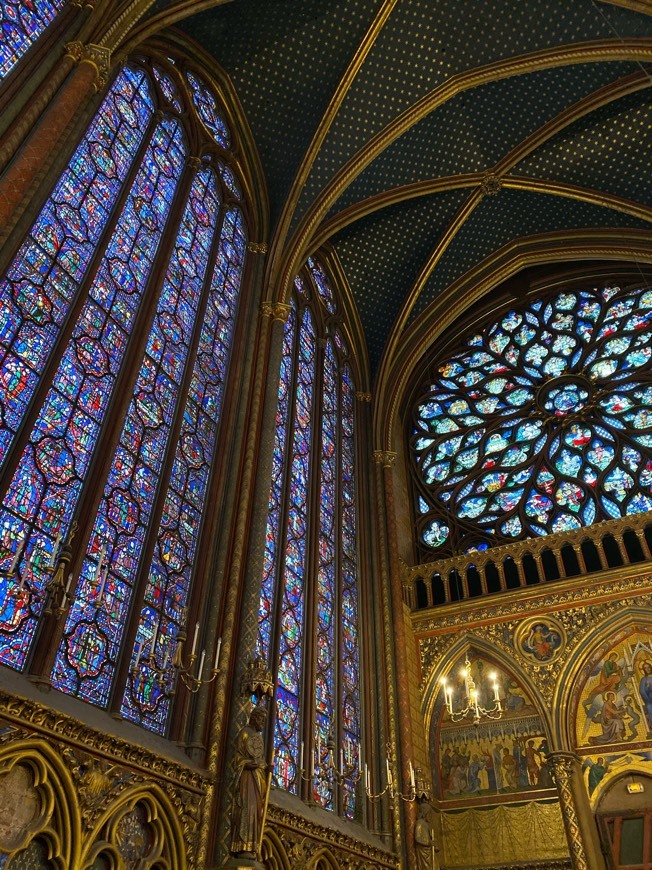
(424, 839)
(250, 787)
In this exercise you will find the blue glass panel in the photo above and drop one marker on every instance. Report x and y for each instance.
(290, 661)
(270, 564)
(42, 496)
(325, 703)
(45, 276)
(21, 24)
(166, 594)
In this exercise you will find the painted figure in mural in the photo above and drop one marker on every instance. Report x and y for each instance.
(610, 678)
(533, 756)
(645, 691)
(597, 770)
(250, 786)
(542, 641)
(510, 771)
(424, 839)
(611, 720)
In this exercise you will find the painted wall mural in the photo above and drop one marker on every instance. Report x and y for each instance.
(614, 692)
(495, 757)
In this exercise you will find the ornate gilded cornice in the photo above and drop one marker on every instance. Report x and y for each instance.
(28, 715)
(340, 841)
(257, 247)
(363, 397)
(548, 597)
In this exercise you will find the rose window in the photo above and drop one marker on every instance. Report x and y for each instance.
(540, 423)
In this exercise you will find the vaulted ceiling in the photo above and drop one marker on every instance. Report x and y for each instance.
(420, 136)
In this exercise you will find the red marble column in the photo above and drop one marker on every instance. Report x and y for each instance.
(23, 170)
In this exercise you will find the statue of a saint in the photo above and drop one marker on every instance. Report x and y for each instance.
(250, 787)
(424, 839)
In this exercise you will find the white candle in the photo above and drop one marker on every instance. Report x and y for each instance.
(100, 594)
(151, 649)
(55, 552)
(194, 640)
(201, 663)
(69, 583)
(19, 552)
(412, 780)
(301, 757)
(389, 772)
(348, 754)
(140, 649)
(366, 777)
(341, 761)
(165, 660)
(217, 656)
(100, 564)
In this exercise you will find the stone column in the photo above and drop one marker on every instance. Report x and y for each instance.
(406, 753)
(90, 75)
(579, 823)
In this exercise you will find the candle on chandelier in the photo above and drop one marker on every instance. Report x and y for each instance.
(153, 645)
(194, 640)
(301, 757)
(341, 761)
(19, 552)
(69, 583)
(412, 779)
(201, 664)
(55, 551)
(217, 656)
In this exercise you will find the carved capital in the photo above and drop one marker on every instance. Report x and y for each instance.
(276, 310)
(384, 457)
(363, 397)
(97, 55)
(257, 247)
(491, 184)
(193, 162)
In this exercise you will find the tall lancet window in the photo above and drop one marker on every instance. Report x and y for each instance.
(117, 318)
(308, 618)
(21, 24)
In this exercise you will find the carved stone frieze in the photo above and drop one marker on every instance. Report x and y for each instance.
(98, 782)
(21, 712)
(301, 837)
(103, 767)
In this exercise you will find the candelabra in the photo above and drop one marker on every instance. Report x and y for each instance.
(57, 587)
(326, 769)
(418, 787)
(473, 707)
(193, 681)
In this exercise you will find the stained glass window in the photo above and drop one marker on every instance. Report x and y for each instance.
(21, 24)
(541, 422)
(314, 450)
(88, 320)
